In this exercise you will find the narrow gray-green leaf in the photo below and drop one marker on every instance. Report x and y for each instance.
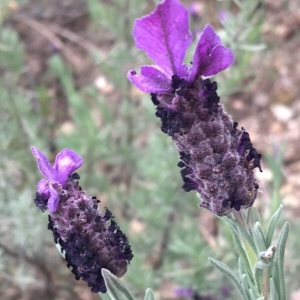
(229, 273)
(149, 295)
(279, 261)
(104, 296)
(252, 286)
(272, 226)
(273, 290)
(259, 238)
(245, 286)
(235, 224)
(255, 215)
(242, 254)
(251, 294)
(261, 298)
(115, 289)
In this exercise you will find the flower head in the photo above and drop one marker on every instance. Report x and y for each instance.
(90, 240)
(164, 35)
(216, 158)
(66, 162)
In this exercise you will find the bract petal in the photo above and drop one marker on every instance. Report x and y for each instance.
(43, 187)
(53, 200)
(43, 164)
(164, 35)
(210, 56)
(220, 59)
(151, 80)
(66, 162)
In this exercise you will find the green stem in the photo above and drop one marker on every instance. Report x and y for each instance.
(238, 215)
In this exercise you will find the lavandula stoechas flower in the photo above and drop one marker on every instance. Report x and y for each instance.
(217, 158)
(91, 241)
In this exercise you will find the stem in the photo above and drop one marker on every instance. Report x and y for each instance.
(265, 284)
(165, 241)
(238, 215)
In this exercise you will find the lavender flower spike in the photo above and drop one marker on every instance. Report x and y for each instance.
(91, 241)
(217, 158)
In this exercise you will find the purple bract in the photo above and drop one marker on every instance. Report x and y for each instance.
(66, 162)
(164, 35)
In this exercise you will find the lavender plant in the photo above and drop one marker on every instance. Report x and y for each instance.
(217, 161)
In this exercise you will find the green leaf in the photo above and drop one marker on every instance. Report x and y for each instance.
(252, 286)
(149, 295)
(273, 290)
(229, 273)
(115, 289)
(278, 270)
(272, 226)
(255, 215)
(242, 254)
(252, 296)
(245, 286)
(243, 231)
(248, 215)
(104, 296)
(259, 238)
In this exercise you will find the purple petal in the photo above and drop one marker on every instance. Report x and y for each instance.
(66, 162)
(210, 56)
(151, 80)
(221, 58)
(43, 187)
(164, 35)
(53, 200)
(43, 164)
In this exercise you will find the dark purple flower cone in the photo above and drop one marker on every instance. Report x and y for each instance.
(217, 158)
(90, 241)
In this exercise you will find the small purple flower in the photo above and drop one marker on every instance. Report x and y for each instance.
(66, 162)
(164, 35)
(90, 241)
(186, 292)
(216, 158)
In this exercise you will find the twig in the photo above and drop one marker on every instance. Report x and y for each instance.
(75, 38)
(48, 34)
(165, 241)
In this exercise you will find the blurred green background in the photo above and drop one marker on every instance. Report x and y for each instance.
(63, 66)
